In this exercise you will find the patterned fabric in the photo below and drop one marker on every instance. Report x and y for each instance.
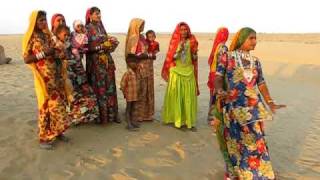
(218, 44)
(222, 49)
(128, 86)
(173, 45)
(53, 119)
(136, 44)
(79, 44)
(243, 113)
(153, 47)
(83, 106)
(101, 74)
(144, 107)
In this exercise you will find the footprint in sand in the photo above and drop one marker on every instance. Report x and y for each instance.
(178, 149)
(123, 175)
(159, 162)
(117, 152)
(93, 162)
(132, 173)
(147, 138)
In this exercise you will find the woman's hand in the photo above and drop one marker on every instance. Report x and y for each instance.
(48, 51)
(221, 93)
(273, 107)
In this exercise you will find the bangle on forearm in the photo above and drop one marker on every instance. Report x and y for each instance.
(40, 55)
(98, 48)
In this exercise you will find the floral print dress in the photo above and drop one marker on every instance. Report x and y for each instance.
(100, 69)
(243, 116)
(83, 105)
(53, 117)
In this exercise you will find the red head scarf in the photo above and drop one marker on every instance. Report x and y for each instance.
(173, 45)
(54, 18)
(221, 38)
(88, 20)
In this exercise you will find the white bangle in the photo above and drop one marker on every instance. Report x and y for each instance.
(40, 55)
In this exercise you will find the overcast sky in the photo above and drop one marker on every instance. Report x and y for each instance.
(292, 16)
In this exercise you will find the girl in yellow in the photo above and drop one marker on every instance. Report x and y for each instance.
(37, 49)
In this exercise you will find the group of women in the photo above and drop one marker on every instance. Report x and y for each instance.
(236, 82)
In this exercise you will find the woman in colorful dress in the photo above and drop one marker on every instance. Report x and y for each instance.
(215, 118)
(101, 67)
(180, 70)
(37, 49)
(137, 51)
(82, 104)
(244, 110)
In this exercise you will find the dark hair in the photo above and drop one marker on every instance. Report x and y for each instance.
(94, 9)
(62, 28)
(150, 32)
(42, 13)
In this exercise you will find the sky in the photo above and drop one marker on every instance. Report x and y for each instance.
(269, 16)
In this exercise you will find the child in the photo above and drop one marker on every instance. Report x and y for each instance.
(153, 46)
(79, 40)
(62, 54)
(128, 86)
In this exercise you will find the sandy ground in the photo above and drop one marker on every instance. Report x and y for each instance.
(292, 68)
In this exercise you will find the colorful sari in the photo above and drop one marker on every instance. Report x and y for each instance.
(83, 103)
(100, 69)
(246, 152)
(180, 102)
(49, 86)
(136, 44)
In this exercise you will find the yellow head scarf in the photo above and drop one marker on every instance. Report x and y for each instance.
(133, 36)
(40, 88)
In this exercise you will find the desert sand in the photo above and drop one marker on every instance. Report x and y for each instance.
(291, 66)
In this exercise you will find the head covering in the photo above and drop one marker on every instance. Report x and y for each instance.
(173, 45)
(76, 23)
(240, 38)
(54, 17)
(39, 84)
(88, 20)
(133, 36)
(220, 39)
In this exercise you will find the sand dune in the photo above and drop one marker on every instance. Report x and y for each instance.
(292, 69)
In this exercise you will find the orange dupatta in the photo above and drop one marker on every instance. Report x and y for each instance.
(173, 45)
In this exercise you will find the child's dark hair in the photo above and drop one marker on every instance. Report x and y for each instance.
(42, 13)
(94, 9)
(62, 28)
(150, 32)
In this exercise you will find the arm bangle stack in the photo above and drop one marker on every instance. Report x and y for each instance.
(40, 55)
